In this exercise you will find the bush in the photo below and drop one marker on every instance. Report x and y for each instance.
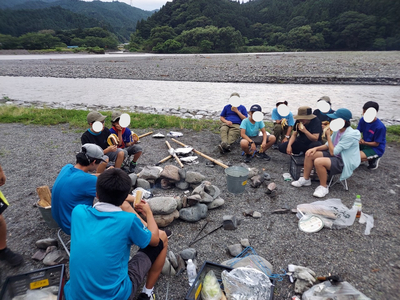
(190, 50)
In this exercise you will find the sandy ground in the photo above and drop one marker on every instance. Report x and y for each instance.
(33, 155)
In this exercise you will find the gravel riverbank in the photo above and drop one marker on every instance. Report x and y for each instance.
(33, 155)
(291, 67)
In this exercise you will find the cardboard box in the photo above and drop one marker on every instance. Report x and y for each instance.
(20, 284)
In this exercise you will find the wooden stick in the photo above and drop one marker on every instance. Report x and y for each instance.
(44, 196)
(205, 156)
(145, 134)
(163, 160)
(176, 157)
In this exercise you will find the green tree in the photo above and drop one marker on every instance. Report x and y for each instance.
(9, 42)
(229, 39)
(34, 41)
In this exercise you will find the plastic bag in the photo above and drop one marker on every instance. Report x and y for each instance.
(369, 219)
(246, 284)
(49, 293)
(211, 289)
(327, 291)
(146, 194)
(334, 214)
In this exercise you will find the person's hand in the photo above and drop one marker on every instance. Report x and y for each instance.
(253, 147)
(229, 123)
(264, 146)
(328, 134)
(289, 149)
(112, 148)
(143, 207)
(303, 273)
(284, 140)
(362, 142)
(118, 127)
(135, 139)
(301, 127)
(2, 178)
(235, 109)
(311, 152)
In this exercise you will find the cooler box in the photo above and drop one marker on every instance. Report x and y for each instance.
(195, 289)
(19, 284)
(297, 168)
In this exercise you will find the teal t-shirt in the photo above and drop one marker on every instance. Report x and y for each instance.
(100, 248)
(252, 129)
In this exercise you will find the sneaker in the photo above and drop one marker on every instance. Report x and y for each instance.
(264, 156)
(143, 296)
(302, 182)
(221, 149)
(247, 158)
(14, 259)
(168, 233)
(275, 147)
(132, 167)
(373, 163)
(321, 191)
(228, 148)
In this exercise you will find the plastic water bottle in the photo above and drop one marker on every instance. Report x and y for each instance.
(191, 271)
(358, 206)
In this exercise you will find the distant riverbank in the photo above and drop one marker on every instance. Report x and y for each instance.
(367, 68)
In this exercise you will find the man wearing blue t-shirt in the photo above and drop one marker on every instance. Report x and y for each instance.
(75, 185)
(373, 141)
(249, 131)
(101, 239)
(231, 117)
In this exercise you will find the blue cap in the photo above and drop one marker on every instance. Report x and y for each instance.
(255, 107)
(342, 113)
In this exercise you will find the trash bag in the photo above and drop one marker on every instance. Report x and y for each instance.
(211, 289)
(334, 214)
(327, 291)
(369, 219)
(246, 284)
(146, 194)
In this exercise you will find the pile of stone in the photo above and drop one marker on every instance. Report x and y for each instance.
(190, 206)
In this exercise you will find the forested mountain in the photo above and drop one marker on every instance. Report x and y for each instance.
(118, 17)
(270, 25)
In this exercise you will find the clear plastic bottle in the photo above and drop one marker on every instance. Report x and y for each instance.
(191, 271)
(358, 205)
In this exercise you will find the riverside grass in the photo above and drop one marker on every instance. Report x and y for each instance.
(77, 119)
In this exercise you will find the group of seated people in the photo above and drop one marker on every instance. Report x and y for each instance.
(103, 232)
(308, 133)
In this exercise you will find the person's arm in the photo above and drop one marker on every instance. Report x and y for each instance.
(244, 136)
(239, 113)
(330, 143)
(144, 208)
(264, 142)
(2, 177)
(223, 120)
(311, 136)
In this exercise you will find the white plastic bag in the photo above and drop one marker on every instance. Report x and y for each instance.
(327, 291)
(246, 284)
(334, 214)
(211, 289)
(146, 194)
(369, 219)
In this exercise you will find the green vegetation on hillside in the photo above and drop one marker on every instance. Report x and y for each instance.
(270, 25)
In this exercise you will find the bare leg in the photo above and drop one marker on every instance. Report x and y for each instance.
(3, 233)
(101, 167)
(271, 141)
(119, 160)
(322, 164)
(136, 156)
(309, 164)
(244, 145)
(158, 264)
(363, 156)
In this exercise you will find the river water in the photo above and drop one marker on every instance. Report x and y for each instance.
(208, 96)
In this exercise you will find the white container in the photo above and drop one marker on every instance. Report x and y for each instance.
(191, 271)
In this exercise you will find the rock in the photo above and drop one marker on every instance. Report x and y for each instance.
(256, 181)
(248, 212)
(229, 222)
(193, 213)
(165, 220)
(182, 174)
(255, 261)
(133, 177)
(256, 215)
(171, 173)
(45, 243)
(143, 183)
(199, 189)
(162, 205)
(216, 203)
(172, 259)
(194, 177)
(271, 186)
(188, 253)
(182, 185)
(39, 255)
(205, 198)
(235, 249)
(165, 184)
(179, 202)
(245, 242)
(212, 190)
(300, 286)
(184, 202)
(150, 172)
(54, 258)
(192, 200)
(392, 192)
(167, 268)
(266, 176)
(181, 265)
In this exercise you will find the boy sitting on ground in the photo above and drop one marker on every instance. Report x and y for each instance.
(373, 141)
(101, 239)
(283, 125)
(231, 117)
(249, 131)
(127, 142)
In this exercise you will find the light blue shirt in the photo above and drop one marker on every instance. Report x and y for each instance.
(252, 129)
(275, 116)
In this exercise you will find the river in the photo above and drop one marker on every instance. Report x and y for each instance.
(208, 96)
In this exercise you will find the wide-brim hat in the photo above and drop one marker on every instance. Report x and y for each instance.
(304, 113)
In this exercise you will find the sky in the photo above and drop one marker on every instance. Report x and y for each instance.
(145, 4)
